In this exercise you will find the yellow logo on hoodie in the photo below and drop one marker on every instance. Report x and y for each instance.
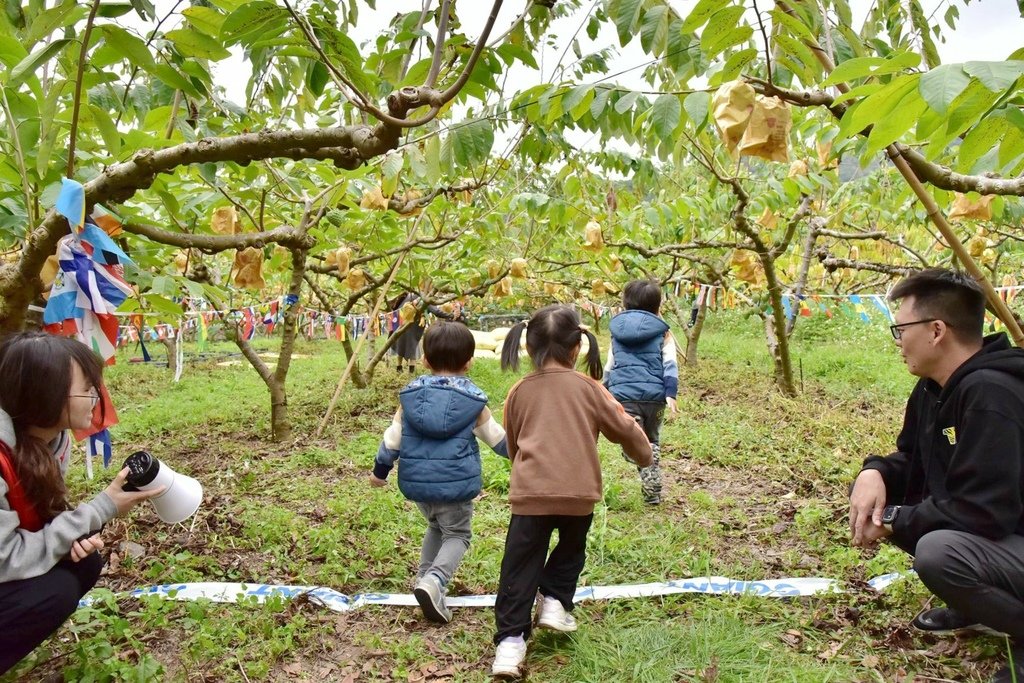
(950, 433)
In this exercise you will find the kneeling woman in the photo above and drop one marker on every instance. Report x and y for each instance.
(48, 552)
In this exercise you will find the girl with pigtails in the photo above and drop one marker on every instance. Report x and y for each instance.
(552, 419)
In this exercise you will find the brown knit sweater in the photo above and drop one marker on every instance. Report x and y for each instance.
(552, 419)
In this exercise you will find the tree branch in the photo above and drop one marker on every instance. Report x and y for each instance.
(78, 88)
(442, 29)
(285, 235)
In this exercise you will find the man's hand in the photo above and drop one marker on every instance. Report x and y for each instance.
(872, 534)
(376, 482)
(867, 500)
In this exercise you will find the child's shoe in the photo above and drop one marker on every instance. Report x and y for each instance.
(430, 595)
(552, 615)
(508, 658)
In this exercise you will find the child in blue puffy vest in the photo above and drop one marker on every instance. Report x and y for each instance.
(642, 372)
(434, 432)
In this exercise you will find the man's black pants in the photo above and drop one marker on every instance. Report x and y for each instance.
(32, 609)
(524, 570)
(980, 578)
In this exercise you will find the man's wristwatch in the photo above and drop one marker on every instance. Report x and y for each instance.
(889, 515)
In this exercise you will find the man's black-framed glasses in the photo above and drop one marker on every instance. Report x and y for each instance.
(897, 330)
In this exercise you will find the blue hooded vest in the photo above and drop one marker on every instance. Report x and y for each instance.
(638, 371)
(440, 461)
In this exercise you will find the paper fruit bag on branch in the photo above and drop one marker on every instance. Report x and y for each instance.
(731, 107)
(965, 207)
(224, 221)
(248, 267)
(747, 267)
(767, 134)
(593, 239)
(518, 268)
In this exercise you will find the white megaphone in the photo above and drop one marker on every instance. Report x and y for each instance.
(182, 497)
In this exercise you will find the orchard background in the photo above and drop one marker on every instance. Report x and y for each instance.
(774, 165)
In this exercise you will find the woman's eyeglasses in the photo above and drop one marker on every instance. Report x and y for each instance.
(897, 330)
(93, 397)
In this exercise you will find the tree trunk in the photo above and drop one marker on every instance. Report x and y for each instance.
(775, 329)
(693, 334)
(170, 343)
(276, 380)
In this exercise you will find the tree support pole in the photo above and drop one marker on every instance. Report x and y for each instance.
(934, 212)
(362, 339)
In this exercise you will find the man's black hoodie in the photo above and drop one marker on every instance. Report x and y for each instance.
(959, 462)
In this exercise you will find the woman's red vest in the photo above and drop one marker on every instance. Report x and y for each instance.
(19, 502)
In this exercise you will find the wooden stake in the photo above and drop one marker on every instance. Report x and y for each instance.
(362, 338)
(934, 212)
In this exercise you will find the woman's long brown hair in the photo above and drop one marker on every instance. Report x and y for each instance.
(35, 381)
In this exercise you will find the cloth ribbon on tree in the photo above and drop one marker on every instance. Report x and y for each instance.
(88, 288)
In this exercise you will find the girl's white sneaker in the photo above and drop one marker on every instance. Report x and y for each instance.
(508, 658)
(552, 615)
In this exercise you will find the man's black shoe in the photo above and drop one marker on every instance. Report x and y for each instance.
(943, 620)
(1013, 672)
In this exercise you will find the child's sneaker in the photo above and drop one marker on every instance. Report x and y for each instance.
(508, 658)
(430, 595)
(552, 615)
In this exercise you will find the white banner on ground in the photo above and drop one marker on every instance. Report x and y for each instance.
(339, 602)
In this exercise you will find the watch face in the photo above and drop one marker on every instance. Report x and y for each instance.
(889, 514)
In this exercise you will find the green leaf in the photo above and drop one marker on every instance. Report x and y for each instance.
(996, 76)
(983, 138)
(734, 65)
(724, 40)
(48, 21)
(144, 8)
(654, 30)
(665, 115)
(510, 52)
(600, 102)
(801, 52)
(317, 77)
(577, 101)
(342, 51)
(923, 30)
(625, 14)
(722, 20)
(390, 170)
(191, 43)
(160, 303)
(852, 69)
(696, 105)
(1012, 145)
(794, 25)
(471, 142)
(108, 131)
(11, 51)
(14, 13)
(940, 86)
(432, 158)
(130, 47)
(700, 14)
(27, 67)
(254, 20)
(895, 63)
(113, 9)
(205, 19)
(173, 78)
(900, 119)
(626, 102)
(877, 106)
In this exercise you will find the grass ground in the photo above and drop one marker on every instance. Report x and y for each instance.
(755, 488)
